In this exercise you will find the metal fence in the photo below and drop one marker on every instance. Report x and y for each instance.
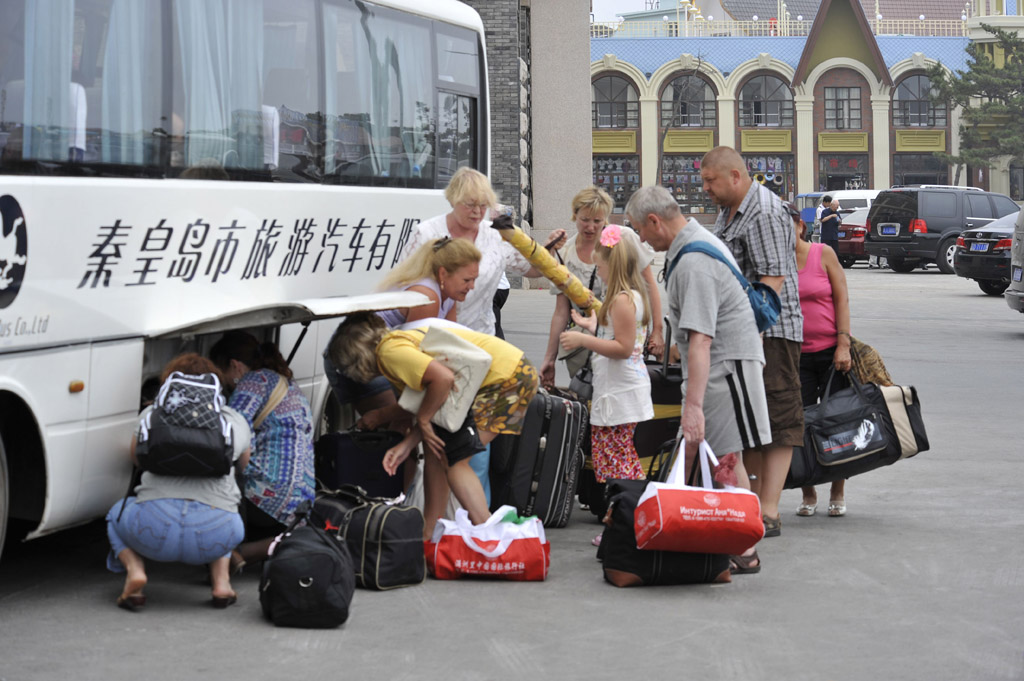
(701, 28)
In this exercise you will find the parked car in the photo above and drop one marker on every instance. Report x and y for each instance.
(851, 238)
(914, 226)
(983, 254)
(1014, 294)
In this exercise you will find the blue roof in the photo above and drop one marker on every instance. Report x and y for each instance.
(728, 52)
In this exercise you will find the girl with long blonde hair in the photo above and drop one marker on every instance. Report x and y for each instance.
(622, 387)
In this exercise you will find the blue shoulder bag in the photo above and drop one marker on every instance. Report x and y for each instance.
(763, 298)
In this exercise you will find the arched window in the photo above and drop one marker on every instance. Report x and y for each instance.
(688, 102)
(615, 103)
(766, 101)
(912, 108)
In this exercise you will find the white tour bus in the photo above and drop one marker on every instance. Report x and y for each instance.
(171, 169)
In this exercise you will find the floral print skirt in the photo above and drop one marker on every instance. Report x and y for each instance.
(614, 455)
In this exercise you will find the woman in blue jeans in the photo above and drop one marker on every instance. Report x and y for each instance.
(182, 519)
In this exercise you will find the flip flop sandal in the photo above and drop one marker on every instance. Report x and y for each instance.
(836, 510)
(806, 510)
(745, 565)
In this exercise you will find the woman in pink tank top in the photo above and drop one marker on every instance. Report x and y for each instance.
(825, 303)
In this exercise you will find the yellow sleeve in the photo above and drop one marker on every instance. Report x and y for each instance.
(401, 361)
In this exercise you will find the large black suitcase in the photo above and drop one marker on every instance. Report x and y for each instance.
(356, 457)
(385, 540)
(536, 471)
(903, 431)
(626, 565)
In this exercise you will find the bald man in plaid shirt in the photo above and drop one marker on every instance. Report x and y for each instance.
(754, 224)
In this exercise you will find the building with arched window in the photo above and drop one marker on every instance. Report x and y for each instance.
(831, 101)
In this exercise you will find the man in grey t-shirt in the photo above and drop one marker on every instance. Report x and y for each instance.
(714, 328)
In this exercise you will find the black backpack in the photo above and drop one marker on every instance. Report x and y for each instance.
(308, 580)
(186, 432)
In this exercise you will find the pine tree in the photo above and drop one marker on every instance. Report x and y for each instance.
(991, 96)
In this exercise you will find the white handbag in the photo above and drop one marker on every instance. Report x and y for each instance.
(470, 365)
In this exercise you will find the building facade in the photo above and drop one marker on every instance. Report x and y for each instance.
(837, 107)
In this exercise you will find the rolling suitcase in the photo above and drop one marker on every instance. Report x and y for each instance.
(356, 457)
(536, 471)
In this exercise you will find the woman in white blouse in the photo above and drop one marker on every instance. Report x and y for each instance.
(470, 194)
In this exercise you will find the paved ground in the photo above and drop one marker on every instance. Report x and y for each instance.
(922, 580)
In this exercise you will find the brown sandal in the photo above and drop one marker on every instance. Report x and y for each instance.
(745, 565)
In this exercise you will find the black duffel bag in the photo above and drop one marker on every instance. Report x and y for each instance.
(308, 580)
(626, 565)
(856, 430)
(356, 457)
(386, 540)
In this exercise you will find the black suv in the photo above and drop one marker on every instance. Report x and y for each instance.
(914, 226)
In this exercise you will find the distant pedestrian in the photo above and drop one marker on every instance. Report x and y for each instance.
(830, 222)
(616, 335)
(757, 229)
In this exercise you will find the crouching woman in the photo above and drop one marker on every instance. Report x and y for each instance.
(182, 519)
(363, 348)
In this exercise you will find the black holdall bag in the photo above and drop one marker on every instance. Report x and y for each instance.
(186, 432)
(845, 425)
(385, 539)
(626, 565)
(856, 430)
(308, 580)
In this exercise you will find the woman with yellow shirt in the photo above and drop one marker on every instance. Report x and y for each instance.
(363, 348)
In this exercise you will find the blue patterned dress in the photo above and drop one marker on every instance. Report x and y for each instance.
(280, 474)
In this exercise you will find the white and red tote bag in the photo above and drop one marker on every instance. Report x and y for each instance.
(672, 516)
(504, 547)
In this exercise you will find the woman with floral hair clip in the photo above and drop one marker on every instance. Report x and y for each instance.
(622, 387)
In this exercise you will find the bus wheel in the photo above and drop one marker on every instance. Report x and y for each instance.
(4, 496)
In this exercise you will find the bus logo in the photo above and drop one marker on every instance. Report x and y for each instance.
(13, 250)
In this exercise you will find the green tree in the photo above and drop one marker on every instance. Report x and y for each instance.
(991, 95)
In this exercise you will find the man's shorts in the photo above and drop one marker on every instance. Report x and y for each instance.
(782, 389)
(735, 411)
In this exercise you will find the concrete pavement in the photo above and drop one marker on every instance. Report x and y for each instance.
(921, 580)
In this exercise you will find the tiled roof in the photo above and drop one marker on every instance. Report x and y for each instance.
(726, 53)
(743, 10)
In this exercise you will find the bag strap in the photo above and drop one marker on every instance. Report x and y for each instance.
(708, 249)
(851, 377)
(278, 394)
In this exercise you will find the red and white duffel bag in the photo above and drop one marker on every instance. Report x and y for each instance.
(672, 516)
(506, 546)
